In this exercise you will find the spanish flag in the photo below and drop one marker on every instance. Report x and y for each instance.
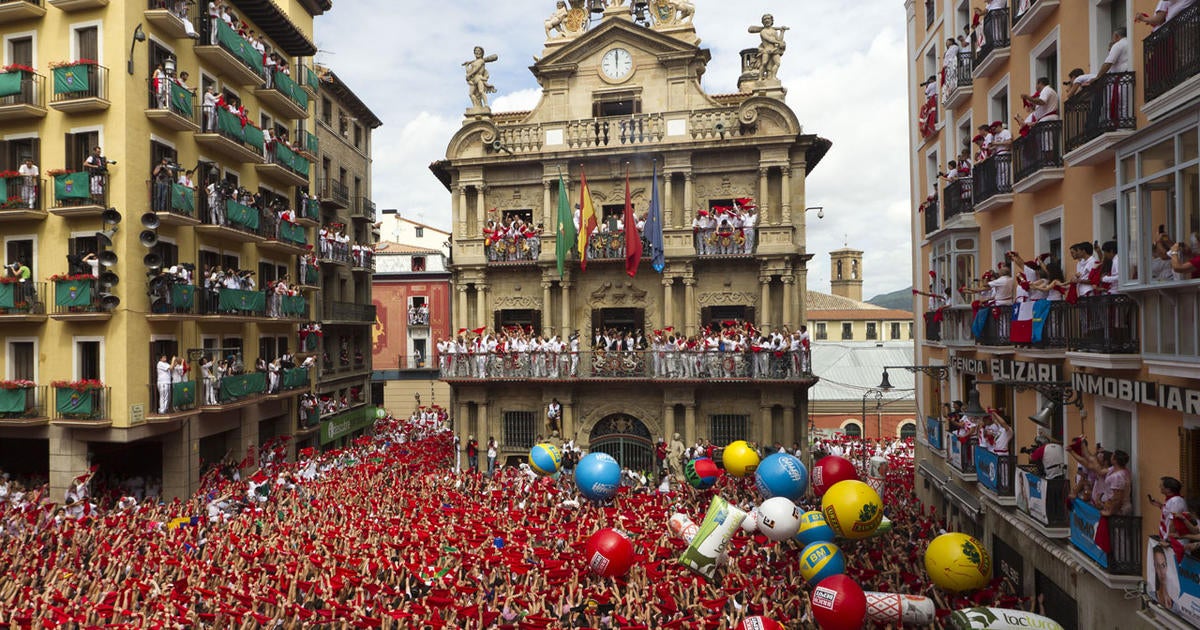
(587, 219)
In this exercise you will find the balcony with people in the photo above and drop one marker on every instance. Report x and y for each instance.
(22, 91)
(1043, 490)
(230, 294)
(171, 291)
(22, 403)
(172, 394)
(80, 86)
(173, 18)
(284, 166)
(172, 103)
(333, 245)
(1099, 112)
(232, 212)
(172, 194)
(82, 296)
(21, 193)
(280, 92)
(958, 83)
(992, 170)
(957, 198)
(227, 131)
(224, 48)
(308, 208)
(21, 299)
(82, 193)
(362, 258)
(20, 10)
(81, 403)
(960, 454)
(929, 213)
(306, 144)
(995, 467)
(1171, 59)
(512, 239)
(1105, 531)
(933, 326)
(990, 33)
(1028, 15)
(418, 315)
(1037, 153)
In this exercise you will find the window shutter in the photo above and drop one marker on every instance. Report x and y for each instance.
(8, 158)
(705, 316)
(751, 315)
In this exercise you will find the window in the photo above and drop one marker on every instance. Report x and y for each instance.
(895, 332)
(342, 176)
(847, 331)
(21, 250)
(418, 263)
(520, 427)
(1049, 234)
(714, 315)
(953, 261)
(87, 43)
(14, 152)
(1001, 244)
(998, 104)
(852, 429)
(1114, 429)
(908, 430)
(327, 111)
(620, 104)
(79, 146)
(20, 51)
(1189, 465)
(158, 151)
(161, 348)
(357, 136)
(822, 331)
(169, 252)
(727, 428)
(1045, 62)
(622, 320)
(343, 125)
(22, 361)
(910, 330)
(524, 318)
(87, 360)
(419, 232)
(1109, 15)
(872, 332)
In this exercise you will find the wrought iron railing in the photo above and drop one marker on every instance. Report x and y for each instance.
(349, 311)
(930, 215)
(960, 453)
(21, 193)
(31, 90)
(363, 208)
(962, 70)
(167, 95)
(995, 34)
(80, 189)
(174, 397)
(237, 216)
(956, 198)
(25, 403)
(625, 364)
(1042, 148)
(334, 251)
(1105, 106)
(992, 177)
(1104, 323)
(997, 330)
(81, 405)
(956, 326)
(93, 83)
(335, 191)
(933, 326)
(1018, 14)
(23, 298)
(238, 302)
(707, 241)
(168, 196)
(1171, 53)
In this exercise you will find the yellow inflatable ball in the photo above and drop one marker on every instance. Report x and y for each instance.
(957, 562)
(740, 459)
(852, 509)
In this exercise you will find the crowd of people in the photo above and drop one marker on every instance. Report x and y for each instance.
(723, 349)
(512, 238)
(334, 243)
(726, 229)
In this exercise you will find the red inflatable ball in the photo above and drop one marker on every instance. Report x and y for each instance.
(830, 470)
(609, 553)
(758, 622)
(838, 603)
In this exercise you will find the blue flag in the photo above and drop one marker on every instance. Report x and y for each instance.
(654, 228)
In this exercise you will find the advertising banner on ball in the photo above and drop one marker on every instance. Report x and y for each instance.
(982, 618)
(1173, 582)
(712, 539)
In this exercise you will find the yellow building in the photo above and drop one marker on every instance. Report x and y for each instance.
(84, 74)
(842, 315)
(1116, 161)
(620, 95)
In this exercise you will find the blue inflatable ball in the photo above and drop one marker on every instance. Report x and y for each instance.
(598, 476)
(781, 475)
(701, 473)
(821, 560)
(545, 459)
(814, 529)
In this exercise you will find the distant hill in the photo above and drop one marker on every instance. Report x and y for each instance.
(901, 299)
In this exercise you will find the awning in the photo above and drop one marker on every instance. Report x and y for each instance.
(931, 473)
(965, 500)
(270, 19)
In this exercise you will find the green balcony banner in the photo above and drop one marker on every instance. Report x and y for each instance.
(346, 423)
(295, 378)
(254, 136)
(181, 100)
(68, 79)
(310, 342)
(310, 77)
(4, 189)
(71, 186)
(242, 215)
(12, 401)
(313, 145)
(242, 385)
(237, 300)
(183, 199)
(312, 209)
(239, 47)
(294, 305)
(311, 276)
(72, 402)
(73, 292)
(284, 156)
(292, 233)
(230, 125)
(6, 295)
(285, 84)
(183, 296)
(183, 394)
(10, 83)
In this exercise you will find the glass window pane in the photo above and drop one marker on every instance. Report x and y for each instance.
(1190, 206)
(1167, 318)
(1158, 210)
(1133, 236)
(1128, 169)
(1158, 157)
(1187, 145)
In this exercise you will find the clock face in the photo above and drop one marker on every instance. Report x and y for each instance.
(617, 63)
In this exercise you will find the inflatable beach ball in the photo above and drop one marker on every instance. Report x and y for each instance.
(759, 622)
(781, 475)
(839, 603)
(813, 529)
(545, 458)
(821, 560)
(957, 562)
(740, 458)
(829, 471)
(852, 509)
(598, 476)
(608, 553)
(701, 473)
(778, 519)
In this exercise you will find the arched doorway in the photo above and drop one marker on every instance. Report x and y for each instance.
(625, 438)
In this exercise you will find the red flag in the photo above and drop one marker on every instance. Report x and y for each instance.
(633, 238)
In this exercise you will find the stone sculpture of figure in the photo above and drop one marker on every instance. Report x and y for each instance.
(477, 78)
(557, 21)
(684, 11)
(675, 456)
(771, 48)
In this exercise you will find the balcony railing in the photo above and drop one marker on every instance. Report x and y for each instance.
(349, 312)
(933, 326)
(514, 248)
(231, 214)
(336, 192)
(362, 257)
(997, 328)
(956, 326)
(1171, 53)
(929, 213)
(239, 387)
(363, 208)
(1043, 499)
(172, 398)
(284, 84)
(22, 298)
(232, 42)
(287, 306)
(418, 318)
(707, 241)
(995, 472)
(221, 121)
(80, 189)
(307, 77)
(995, 34)
(958, 75)
(935, 435)
(306, 142)
(167, 196)
(960, 454)
(992, 177)
(79, 81)
(1054, 327)
(20, 193)
(309, 419)
(1126, 545)
(293, 379)
(611, 245)
(418, 362)
(1042, 148)
(624, 364)
(170, 96)
(618, 131)
(334, 251)
(279, 153)
(21, 87)
(77, 297)
(1105, 106)
(233, 302)
(956, 197)
(169, 296)
(1106, 324)
(73, 405)
(26, 403)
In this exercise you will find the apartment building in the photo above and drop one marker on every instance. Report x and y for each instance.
(1115, 161)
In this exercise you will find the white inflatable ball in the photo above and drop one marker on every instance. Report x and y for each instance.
(750, 523)
(778, 519)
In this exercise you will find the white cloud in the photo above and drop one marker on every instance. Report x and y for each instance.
(846, 80)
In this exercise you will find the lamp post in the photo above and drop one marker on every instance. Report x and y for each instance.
(820, 211)
(139, 35)
(877, 393)
(937, 372)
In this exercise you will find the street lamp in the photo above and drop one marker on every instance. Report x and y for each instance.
(820, 211)
(1056, 393)
(877, 393)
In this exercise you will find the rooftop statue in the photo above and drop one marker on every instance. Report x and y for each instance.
(477, 78)
(771, 49)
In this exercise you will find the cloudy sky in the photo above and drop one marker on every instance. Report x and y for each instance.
(846, 80)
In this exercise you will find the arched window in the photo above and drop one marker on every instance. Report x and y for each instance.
(908, 429)
(852, 429)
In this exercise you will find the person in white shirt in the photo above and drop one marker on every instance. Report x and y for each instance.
(163, 380)
(950, 65)
(29, 182)
(1003, 286)
(996, 434)
(1165, 10)
(210, 108)
(1045, 101)
(1111, 266)
(1084, 263)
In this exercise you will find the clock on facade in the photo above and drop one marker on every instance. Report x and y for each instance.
(616, 63)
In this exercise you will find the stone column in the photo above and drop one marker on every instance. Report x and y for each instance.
(482, 431)
(668, 302)
(768, 439)
(789, 426)
(566, 322)
(568, 420)
(689, 422)
(550, 220)
(668, 421)
(480, 205)
(460, 314)
(689, 203)
(462, 427)
(763, 203)
(788, 318)
(481, 318)
(463, 209)
(181, 463)
(460, 218)
(689, 303)
(764, 302)
(786, 192)
(547, 314)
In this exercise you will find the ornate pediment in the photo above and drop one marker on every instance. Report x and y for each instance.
(618, 294)
(727, 298)
(517, 302)
(584, 46)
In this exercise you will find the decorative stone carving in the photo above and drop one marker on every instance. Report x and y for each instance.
(617, 294)
(725, 189)
(477, 79)
(672, 12)
(517, 302)
(727, 298)
(557, 21)
(771, 49)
